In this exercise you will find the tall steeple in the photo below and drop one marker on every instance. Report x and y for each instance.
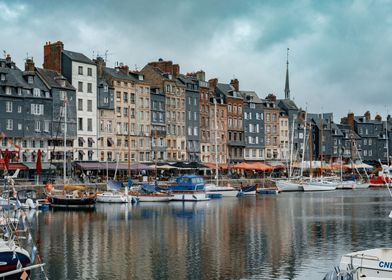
(287, 86)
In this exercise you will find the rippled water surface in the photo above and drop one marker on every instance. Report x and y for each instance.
(288, 236)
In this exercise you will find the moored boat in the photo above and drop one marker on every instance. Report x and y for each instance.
(319, 186)
(223, 191)
(247, 190)
(189, 188)
(112, 197)
(289, 186)
(78, 198)
(10, 255)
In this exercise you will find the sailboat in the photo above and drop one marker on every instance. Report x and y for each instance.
(313, 184)
(73, 196)
(291, 184)
(214, 189)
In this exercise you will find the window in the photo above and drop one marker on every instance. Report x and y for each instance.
(19, 109)
(80, 86)
(80, 123)
(10, 124)
(80, 104)
(89, 87)
(8, 90)
(19, 91)
(106, 100)
(30, 80)
(89, 71)
(370, 141)
(189, 130)
(62, 95)
(37, 126)
(105, 88)
(2, 77)
(195, 131)
(8, 107)
(126, 97)
(80, 70)
(37, 109)
(90, 124)
(37, 92)
(89, 105)
(19, 126)
(46, 126)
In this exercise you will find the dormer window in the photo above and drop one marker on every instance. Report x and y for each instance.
(8, 90)
(47, 95)
(105, 88)
(37, 92)
(19, 91)
(30, 80)
(2, 64)
(62, 83)
(141, 78)
(2, 77)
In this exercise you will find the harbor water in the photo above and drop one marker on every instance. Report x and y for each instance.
(284, 236)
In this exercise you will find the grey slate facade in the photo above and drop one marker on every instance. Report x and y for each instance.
(158, 124)
(192, 118)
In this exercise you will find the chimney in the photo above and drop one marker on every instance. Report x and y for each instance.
(52, 56)
(367, 116)
(236, 84)
(378, 118)
(271, 97)
(201, 75)
(29, 65)
(164, 66)
(8, 58)
(101, 64)
(212, 83)
(350, 120)
(176, 70)
(124, 69)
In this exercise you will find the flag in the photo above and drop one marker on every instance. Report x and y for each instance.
(24, 275)
(38, 164)
(6, 159)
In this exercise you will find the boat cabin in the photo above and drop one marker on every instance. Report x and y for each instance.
(189, 182)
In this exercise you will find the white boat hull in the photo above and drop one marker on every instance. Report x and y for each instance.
(247, 193)
(224, 191)
(374, 263)
(361, 186)
(186, 196)
(346, 185)
(288, 186)
(319, 186)
(111, 198)
(150, 198)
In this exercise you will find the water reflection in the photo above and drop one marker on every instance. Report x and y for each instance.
(289, 236)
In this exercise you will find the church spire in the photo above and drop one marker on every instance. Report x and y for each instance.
(287, 87)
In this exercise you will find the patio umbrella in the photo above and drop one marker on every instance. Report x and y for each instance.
(6, 159)
(38, 165)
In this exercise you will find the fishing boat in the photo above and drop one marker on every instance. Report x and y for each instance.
(189, 188)
(212, 189)
(113, 193)
(150, 193)
(73, 196)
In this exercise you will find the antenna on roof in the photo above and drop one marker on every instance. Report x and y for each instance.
(135, 67)
(106, 55)
(5, 53)
(93, 55)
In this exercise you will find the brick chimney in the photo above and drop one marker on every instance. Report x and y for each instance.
(350, 120)
(236, 84)
(123, 68)
(8, 58)
(271, 97)
(164, 66)
(176, 70)
(378, 118)
(212, 83)
(101, 64)
(29, 65)
(52, 56)
(367, 116)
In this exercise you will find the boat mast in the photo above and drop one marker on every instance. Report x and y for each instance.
(386, 138)
(310, 150)
(291, 149)
(304, 150)
(65, 141)
(216, 143)
(321, 143)
(129, 142)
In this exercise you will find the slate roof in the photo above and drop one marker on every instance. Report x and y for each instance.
(287, 104)
(118, 74)
(227, 90)
(51, 78)
(253, 97)
(15, 78)
(79, 57)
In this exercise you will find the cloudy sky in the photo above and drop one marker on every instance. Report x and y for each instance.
(340, 51)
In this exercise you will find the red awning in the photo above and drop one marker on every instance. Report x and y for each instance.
(212, 165)
(13, 166)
